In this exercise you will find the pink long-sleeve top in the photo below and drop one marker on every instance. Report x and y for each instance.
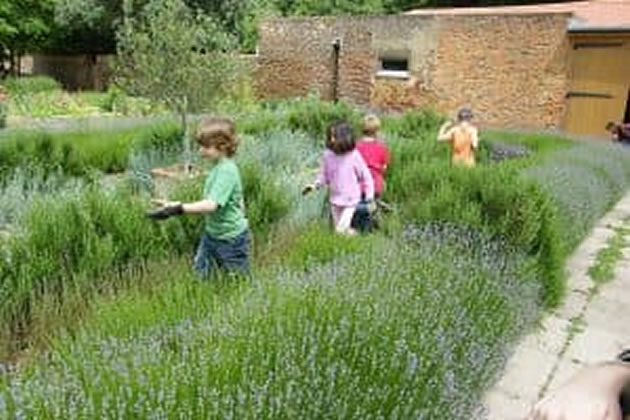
(344, 174)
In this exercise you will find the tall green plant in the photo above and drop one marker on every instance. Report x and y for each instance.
(174, 56)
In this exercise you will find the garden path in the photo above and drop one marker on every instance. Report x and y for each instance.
(591, 325)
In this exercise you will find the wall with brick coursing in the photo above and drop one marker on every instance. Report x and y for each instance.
(512, 70)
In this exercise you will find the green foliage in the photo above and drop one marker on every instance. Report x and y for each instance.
(539, 143)
(572, 187)
(583, 182)
(24, 25)
(66, 244)
(315, 245)
(309, 114)
(329, 7)
(413, 323)
(607, 258)
(413, 124)
(265, 202)
(4, 113)
(77, 153)
(395, 325)
(30, 84)
(314, 116)
(172, 55)
(175, 56)
(495, 200)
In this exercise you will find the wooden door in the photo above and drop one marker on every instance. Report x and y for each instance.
(600, 81)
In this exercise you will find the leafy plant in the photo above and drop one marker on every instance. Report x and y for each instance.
(175, 56)
(24, 85)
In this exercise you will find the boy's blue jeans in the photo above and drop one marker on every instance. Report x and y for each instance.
(231, 255)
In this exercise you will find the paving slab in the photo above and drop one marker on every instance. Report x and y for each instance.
(590, 326)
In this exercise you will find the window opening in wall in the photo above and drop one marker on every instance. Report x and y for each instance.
(394, 64)
(395, 67)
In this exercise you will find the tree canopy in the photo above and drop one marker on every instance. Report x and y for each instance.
(89, 26)
(24, 26)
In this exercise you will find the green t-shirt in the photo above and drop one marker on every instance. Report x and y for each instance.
(223, 186)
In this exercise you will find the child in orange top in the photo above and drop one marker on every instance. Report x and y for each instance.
(463, 137)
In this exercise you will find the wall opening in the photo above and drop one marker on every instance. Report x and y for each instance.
(394, 64)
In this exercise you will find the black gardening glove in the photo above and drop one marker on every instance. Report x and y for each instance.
(166, 212)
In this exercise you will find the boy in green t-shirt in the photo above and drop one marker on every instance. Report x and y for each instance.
(225, 242)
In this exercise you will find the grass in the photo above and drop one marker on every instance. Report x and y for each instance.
(43, 97)
(77, 153)
(602, 270)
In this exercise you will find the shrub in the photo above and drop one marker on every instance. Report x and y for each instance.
(316, 245)
(162, 136)
(77, 153)
(399, 331)
(4, 113)
(413, 124)
(68, 244)
(30, 84)
(25, 185)
(583, 182)
(265, 202)
(540, 143)
(572, 187)
(495, 200)
(314, 116)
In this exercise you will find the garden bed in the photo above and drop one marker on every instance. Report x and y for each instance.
(412, 322)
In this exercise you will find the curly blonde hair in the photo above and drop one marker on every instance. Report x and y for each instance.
(371, 125)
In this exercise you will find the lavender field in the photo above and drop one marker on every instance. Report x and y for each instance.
(107, 320)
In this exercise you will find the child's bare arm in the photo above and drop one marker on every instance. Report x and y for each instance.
(474, 134)
(200, 207)
(175, 208)
(593, 394)
(196, 207)
(445, 132)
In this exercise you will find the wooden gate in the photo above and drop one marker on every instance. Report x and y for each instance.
(600, 82)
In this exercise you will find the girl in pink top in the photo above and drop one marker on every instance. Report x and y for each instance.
(374, 152)
(343, 171)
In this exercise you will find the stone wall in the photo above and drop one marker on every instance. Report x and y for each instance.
(511, 69)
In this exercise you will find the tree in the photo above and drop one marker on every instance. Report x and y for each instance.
(86, 26)
(90, 25)
(24, 25)
(328, 7)
(173, 55)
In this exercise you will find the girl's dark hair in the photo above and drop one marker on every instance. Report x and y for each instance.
(340, 138)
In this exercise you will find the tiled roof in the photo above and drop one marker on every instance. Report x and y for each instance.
(594, 14)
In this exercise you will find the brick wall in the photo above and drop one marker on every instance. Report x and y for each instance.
(513, 70)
